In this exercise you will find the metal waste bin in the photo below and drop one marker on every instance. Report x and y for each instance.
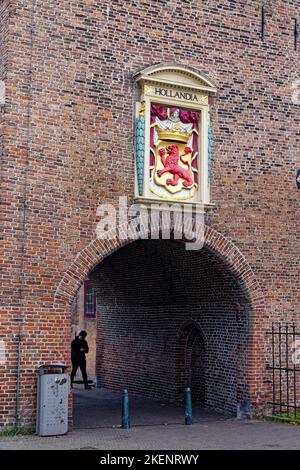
(52, 400)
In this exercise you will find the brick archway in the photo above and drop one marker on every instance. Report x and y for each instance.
(231, 258)
(215, 242)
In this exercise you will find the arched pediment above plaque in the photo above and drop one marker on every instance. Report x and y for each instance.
(172, 134)
(183, 76)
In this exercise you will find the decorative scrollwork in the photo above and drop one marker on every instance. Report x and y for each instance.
(140, 151)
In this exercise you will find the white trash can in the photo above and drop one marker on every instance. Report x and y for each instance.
(52, 400)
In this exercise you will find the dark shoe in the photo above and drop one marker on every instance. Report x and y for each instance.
(87, 387)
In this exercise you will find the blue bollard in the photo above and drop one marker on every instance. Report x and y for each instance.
(125, 410)
(188, 406)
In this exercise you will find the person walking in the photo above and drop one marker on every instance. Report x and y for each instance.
(79, 348)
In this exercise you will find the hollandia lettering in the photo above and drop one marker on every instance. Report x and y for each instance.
(180, 95)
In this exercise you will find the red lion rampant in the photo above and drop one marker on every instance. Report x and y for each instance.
(171, 165)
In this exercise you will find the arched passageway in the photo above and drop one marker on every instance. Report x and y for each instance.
(216, 287)
(168, 318)
(192, 363)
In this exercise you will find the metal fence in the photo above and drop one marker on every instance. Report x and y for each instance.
(285, 368)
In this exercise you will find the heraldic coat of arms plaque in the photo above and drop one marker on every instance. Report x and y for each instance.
(173, 136)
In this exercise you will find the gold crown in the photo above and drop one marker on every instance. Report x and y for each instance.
(176, 133)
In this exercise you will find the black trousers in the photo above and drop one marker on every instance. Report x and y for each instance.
(82, 366)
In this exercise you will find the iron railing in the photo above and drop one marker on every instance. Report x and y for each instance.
(285, 368)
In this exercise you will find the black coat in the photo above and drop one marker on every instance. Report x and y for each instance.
(77, 355)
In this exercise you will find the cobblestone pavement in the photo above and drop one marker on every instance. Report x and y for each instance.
(156, 426)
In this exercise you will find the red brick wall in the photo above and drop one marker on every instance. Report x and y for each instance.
(67, 143)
